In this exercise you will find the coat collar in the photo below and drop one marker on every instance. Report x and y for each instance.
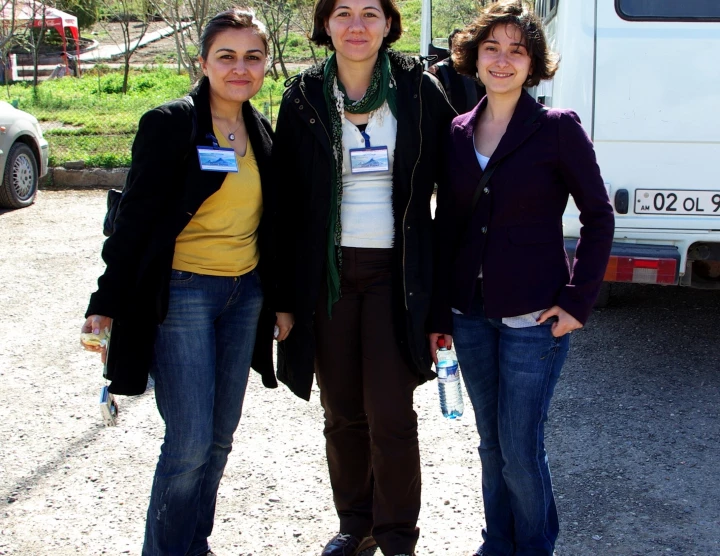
(522, 125)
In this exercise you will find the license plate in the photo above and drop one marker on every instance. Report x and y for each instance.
(665, 201)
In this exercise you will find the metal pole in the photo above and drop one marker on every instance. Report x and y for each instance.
(426, 27)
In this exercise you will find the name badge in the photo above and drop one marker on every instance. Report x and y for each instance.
(371, 159)
(217, 159)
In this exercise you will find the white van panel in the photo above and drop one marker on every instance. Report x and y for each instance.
(656, 119)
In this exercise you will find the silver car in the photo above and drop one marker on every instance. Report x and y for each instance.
(23, 157)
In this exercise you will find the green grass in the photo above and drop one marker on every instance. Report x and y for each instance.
(98, 151)
(101, 121)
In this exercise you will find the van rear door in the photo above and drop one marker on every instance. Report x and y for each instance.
(657, 111)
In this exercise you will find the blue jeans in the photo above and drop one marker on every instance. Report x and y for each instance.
(510, 375)
(200, 367)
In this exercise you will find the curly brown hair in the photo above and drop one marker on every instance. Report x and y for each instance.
(544, 62)
(323, 9)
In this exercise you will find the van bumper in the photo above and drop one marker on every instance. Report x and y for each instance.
(639, 263)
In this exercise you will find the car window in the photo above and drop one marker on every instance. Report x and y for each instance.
(687, 10)
(546, 9)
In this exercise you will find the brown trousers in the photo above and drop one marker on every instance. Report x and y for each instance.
(366, 390)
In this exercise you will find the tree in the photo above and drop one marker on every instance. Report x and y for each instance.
(34, 35)
(7, 35)
(454, 14)
(304, 21)
(9, 23)
(130, 14)
(86, 11)
(188, 19)
(277, 15)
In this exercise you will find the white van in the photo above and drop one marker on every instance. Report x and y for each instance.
(644, 77)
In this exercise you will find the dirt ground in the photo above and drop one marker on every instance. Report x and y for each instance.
(162, 51)
(633, 436)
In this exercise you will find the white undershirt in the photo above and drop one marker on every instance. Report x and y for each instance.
(366, 212)
(483, 160)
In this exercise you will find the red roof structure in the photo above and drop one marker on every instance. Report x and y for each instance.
(40, 14)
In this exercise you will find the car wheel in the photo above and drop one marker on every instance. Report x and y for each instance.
(20, 180)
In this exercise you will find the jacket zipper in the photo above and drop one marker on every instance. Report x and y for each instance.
(316, 114)
(412, 179)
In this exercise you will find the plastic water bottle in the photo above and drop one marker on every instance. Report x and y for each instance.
(448, 371)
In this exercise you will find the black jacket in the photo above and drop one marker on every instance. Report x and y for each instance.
(164, 189)
(302, 161)
(462, 91)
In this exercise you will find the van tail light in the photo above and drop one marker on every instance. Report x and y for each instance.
(641, 270)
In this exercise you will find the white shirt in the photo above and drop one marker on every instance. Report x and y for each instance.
(366, 211)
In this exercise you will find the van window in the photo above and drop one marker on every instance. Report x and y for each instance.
(546, 9)
(687, 10)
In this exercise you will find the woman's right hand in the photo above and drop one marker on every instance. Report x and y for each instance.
(433, 339)
(284, 324)
(95, 324)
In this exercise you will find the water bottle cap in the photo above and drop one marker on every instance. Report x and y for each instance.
(441, 342)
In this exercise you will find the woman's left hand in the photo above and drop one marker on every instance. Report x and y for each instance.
(283, 325)
(565, 324)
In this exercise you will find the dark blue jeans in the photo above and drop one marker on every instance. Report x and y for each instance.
(510, 375)
(201, 365)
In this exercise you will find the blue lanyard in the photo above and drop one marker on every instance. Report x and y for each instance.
(213, 139)
(367, 139)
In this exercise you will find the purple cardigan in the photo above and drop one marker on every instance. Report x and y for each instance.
(516, 233)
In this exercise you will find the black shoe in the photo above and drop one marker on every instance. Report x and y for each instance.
(347, 545)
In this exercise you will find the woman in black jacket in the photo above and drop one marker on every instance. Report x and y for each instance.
(355, 156)
(182, 289)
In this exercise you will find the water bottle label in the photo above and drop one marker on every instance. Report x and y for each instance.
(448, 373)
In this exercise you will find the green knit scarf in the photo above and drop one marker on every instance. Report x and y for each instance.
(381, 89)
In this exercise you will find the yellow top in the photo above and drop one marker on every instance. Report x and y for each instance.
(221, 239)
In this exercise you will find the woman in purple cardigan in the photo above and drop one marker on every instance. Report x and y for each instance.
(504, 290)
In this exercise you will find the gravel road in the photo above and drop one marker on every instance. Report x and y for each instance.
(633, 435)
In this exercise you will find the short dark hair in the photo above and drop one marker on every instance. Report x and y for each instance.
(234, 18)
(323, 9)
(508, 12)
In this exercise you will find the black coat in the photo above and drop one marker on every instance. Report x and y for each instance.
(164, 189)
(302, 160)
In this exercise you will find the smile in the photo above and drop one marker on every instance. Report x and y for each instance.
(498, 74)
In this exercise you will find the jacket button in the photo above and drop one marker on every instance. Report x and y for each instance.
(486, 191)
(407, 228)
(297, 101)
(301, 107)
(484, 229)
(414, 96)
(410, 294)
(312, 120)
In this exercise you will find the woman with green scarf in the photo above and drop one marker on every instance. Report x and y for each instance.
(357, 153)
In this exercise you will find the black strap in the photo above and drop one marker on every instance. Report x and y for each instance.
(444, 75)
(471, 92)
(193, 112)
